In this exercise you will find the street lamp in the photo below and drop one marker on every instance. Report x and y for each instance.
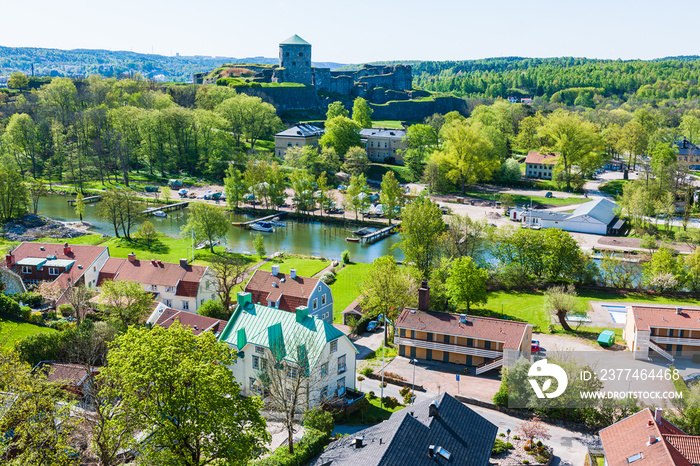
(413, 385)
(507, 434)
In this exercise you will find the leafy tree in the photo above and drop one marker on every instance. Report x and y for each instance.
(206, 221)
(259, 244)
(533, 429)
(421, 226)
(336, 109)
(213, 309)
(362, 113)
(124, 303)
(562, 301)
(36, 191)
(664, 262)
(391, 196)
(20, 138)
(618, 273)
(468, 152)
(356, 161)
(510, 171)
(79, 298)
(320, 420)
(147, 233)
(328, 160)
(174, 395)
(276, 185)
(466, 282)
(80, 206)
(230, 270)
(235, 187)
(302, 184)
(167, 193)
(464, 237)
(342, 133)
(420, 141)
(18, 81)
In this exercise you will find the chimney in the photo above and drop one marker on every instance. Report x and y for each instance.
(293, 274)
(424, 296)
(66, 248)
(431, 451)
(433, 410)
(650, 423)
(10, 260)
(679, 310)
(657, 415)
(183, 263)
(275, 269)
(153, 262)
(462, 318)
(132, 257)
(302, 312)
(159, 262)
(358, 442)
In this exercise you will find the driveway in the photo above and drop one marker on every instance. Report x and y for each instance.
(367, 342)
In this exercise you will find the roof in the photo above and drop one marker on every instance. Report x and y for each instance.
(294, 40)
(68, 374)
(686, 147)
(164, 316)
(383, 133)
(292, 293)
(65, 263)
(548, 215)
(601, 209)
(484, 328)
(186, 279)
(665, 317)
(262, 323)
(301, 130)
(405, 437)
(35, 261)
(536, 157)
(355, 307)
(631, 436)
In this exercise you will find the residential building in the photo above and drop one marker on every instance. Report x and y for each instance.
(688, 153)
(384, 145)
(440, 430)
(180, 286)
(482, 342)
(597, 217)
(539, 165)
(259, 332)
(668, 331)
(65, 264)
(289, 291)
(73, 378)
(648, 439)
(297, 136)
(164, 316)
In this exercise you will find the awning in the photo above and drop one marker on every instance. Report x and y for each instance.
(618, 225)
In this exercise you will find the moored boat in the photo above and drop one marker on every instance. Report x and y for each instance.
(262, 226)
(160, 213)
(353, 240)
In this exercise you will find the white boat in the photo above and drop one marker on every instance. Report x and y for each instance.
(276, 222)
(262, 226)
(160, 213)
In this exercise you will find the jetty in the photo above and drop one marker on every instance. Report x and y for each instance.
(86, 200)
(247, 224)
(166, 208)
(377, 235)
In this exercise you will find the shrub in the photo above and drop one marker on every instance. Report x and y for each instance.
(390, 402)
(383, 384)
(26, 312)
(360, 378)
(371, 395)
(405, 390)
(9, 306)
(366, 371)
(320, 420)
(328, 278)
(311, 444)
(408, 398)
(515, 437)
(539, 443)
(541, 459)
(66, 310)
(500, 447)
(345, 257)
(30, 299)
(51, 315)
(501, 434)
(36, 318)
(526, 447)
(526, 461)
(214, 309)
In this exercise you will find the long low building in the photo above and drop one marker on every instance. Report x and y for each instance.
(597, 217)
(670, 332)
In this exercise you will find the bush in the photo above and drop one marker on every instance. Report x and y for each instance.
(36, 318)
(541, 459)
(501, 434)
(539, 443)
(360, 378)
(66, 310)
(26, 313)
(30, 299)
(408, 398)
(405, 390)
(320, 420)
(311, 444)
(500, 447)
(328, 278)
(51, 315)
(9, 306)
(515, 437)
(213, 309)
(366, 371)
(345, 257)
(526, 461)
(390, 402)
(371, 395)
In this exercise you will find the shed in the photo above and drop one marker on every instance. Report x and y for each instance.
(606, 338)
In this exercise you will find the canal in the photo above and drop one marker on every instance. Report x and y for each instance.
(308, 238)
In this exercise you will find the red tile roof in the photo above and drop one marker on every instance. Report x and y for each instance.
(482, 328)
(631, 435)
(292, 293)
(355, 307)
(186, 279)
(83, 255)
(196, 322)
(68, 374)
(688, 446)
(666, 317)
(536, 157)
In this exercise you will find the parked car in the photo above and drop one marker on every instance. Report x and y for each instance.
(549, 194)
(445, 210)
(535, 346)
(372, 326)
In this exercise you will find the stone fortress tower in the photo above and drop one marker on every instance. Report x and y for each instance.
(295, 59)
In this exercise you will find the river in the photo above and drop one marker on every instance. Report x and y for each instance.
(308, 238)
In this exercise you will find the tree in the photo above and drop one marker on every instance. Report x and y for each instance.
(391, 196)
(259, 244)
(664, 271)
(36, 191)
(121, 208)
(336, 109)
(692, 270)
(420, 141)
(79, 298)
(618, 272)
(319, 419)
(532, 429)
(235, 187)
(356, 161)
(213, 309)
(562, 301)
(510, 171)
(276, 185)
(342, 133)
(355, 194)
(206, 221)
(421, 226)
(147, 233)
(466, 282)
(464, 237)
(167, 193)
(173, 397)
(362, 113)
(50, 291)
(18, 81)
(20, 138)
(230, 271)
(468, 152)
(124, 303)
(80, 206)
(303, 186)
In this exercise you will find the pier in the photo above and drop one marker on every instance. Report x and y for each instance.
(377, 235)
(86, 200)
(166, 208)
(264, 219)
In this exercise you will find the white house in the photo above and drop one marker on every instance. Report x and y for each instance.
(290, 291)
(256, 330)
(597, 217)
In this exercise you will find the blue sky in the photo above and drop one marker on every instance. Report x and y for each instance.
(356, 31)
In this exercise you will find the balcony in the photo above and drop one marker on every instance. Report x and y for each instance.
(659, 340)
(436, 346)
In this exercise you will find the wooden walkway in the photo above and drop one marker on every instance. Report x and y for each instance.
(377, 235)
(264, 219)
(166, 208)
(86, 200)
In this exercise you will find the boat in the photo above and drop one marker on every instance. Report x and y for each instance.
(276, 222)
(160, 213)
(364, 231)
(353, 240)
(262, 226)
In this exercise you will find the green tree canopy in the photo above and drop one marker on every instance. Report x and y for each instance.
(207, 222)
(342, 133)
(466, 283)
(421, 227)
(362, 113)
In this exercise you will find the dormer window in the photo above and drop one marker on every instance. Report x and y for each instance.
(54, 271)
(26, 269)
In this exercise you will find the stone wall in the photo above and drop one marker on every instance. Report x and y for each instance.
(286, 98)
(322, 78)
(412, 110)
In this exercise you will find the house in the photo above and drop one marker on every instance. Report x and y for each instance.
(484, 342)
(65, 264)
(74, 378)
(688, 154)
(384, 145)
(353, 310)
(164, 316)
(289, 291)
(648, 439)
(297, 136)
(668, 331)
(526, 100)
(180, 286)
(256, 330)
(538, 165)
(597, 217)
(440, 430)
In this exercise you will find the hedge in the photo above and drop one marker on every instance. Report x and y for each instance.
(311, 444)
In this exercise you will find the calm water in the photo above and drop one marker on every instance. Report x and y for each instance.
(311, 238)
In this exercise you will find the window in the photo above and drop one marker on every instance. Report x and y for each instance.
(286, 54)
(341, 386)
(53, 271)
(252, 383)
(289, 144)
(154, 287)
(294, 63)
(324, 369)
(334, 346)
(260, 350)
(341, 365)
(301, 54)
(315, 303)
(264, 364)
(292, 372)
(185, 305)
(324, 392)
(168, 302)
(94, 269)
(26, 269)
(319, 288)
(256, 362)
(170, 289)
(385, 145)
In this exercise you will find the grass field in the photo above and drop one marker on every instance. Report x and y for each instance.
(374, 414)
(13, 329)
(613, 187)
(305, 267)
(376, 172)
(347, 287)
(166, 249)
(393, 124)
(520, 199)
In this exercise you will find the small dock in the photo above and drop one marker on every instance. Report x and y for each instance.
(377, 235)
(264, 219)
(166, 208)
(86, 200)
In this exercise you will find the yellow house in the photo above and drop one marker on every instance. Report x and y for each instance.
(297, 136)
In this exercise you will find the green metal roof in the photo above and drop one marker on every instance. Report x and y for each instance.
(67, 263)
(36, 261)
(267, 326)
(294, 40)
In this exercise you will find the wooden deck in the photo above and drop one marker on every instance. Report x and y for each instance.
(264, 219)
(377, 235)
(166, 208)
(86, 200)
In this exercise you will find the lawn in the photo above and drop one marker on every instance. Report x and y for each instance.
(165, 248)
(377, 171)
(13, 329)
(393, 124)
(613, 187)
(92, 239)
(347, 287)
(374, 415)
(305, 267)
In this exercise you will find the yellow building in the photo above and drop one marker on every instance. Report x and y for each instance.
(384, 145)
(297, 136)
